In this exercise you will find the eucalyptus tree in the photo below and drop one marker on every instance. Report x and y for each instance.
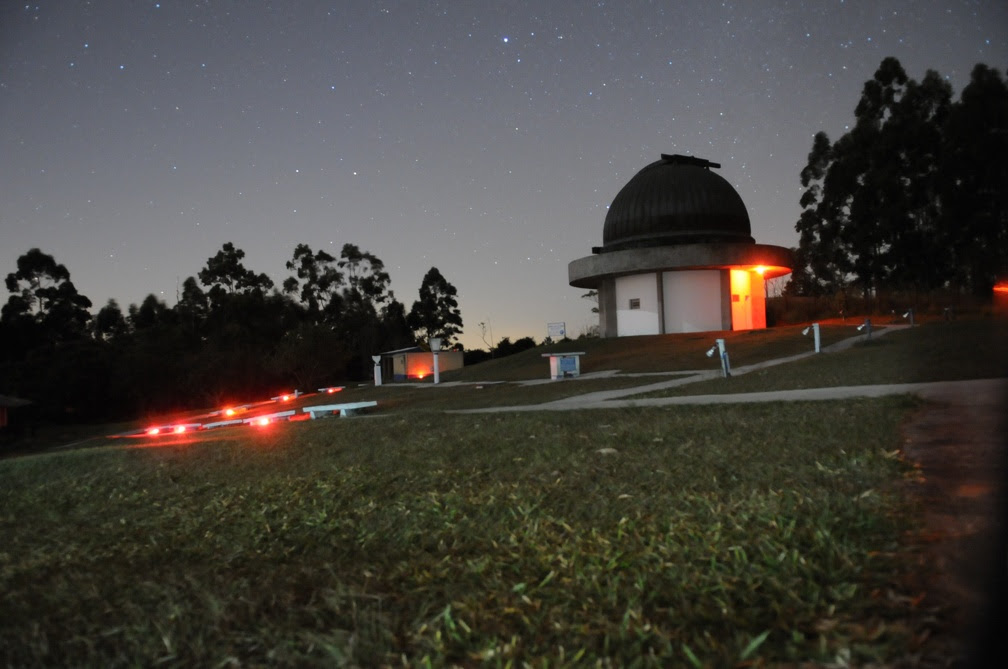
(436, 313)
(43, 295)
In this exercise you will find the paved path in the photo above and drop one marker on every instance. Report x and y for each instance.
(991, 392)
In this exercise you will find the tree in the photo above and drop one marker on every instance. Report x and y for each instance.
(884, 204)
(226, 275)
(109, 322)
(366, 279)
(152, 312)
(193, 306)
(43, 294)
(321, 280)
(973, 178)
(436, 313)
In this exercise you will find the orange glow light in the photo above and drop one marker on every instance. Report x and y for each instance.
(229, 412)
(760, 270)
(1001, 287)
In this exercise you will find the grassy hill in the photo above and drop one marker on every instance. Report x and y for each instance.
(746, 535)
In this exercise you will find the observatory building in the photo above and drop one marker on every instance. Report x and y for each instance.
(678, 255)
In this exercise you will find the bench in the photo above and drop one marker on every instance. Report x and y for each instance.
(344, 410)
(564, 365)
(269, 417)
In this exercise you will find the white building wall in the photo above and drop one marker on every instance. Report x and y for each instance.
(642, 321)
(692, 300)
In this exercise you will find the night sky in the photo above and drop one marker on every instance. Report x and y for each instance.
(484, 138)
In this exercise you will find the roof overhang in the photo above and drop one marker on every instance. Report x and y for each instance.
(587, 272)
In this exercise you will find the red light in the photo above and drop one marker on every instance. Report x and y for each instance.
(153, 431)
(263, 421)
(229, 412)
(179, 429)
(284, 398)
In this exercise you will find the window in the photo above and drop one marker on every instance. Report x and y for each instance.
(635, 303)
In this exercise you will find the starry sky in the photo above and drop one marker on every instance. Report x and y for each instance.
(484, 138)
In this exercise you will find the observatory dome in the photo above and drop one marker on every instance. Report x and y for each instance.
(675, 200)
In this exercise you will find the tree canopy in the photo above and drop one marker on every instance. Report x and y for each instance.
(436, 313)
(912, 196)
(239, 338)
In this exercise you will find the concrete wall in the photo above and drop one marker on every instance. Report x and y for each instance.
(420, 365)
(692, 300)
(643, 320)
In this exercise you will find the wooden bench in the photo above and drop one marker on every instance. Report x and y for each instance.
(344, 410)
(563, 365)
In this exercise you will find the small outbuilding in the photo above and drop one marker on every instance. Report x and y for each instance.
(6, 404)
(416, 364)
(678, 255)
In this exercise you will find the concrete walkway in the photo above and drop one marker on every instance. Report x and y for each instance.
(987, 391)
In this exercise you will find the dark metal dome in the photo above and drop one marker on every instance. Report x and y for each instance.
(676, 200)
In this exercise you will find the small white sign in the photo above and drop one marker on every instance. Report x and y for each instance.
(556, 330)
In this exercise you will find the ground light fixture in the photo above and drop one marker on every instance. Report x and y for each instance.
(909, 315)
(866, 326)
(435, 346)
(815, 334)
(719, 346)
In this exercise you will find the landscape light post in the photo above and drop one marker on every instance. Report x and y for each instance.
(719, 347)
(435, 346)
(377, 369)
(815, 333)
(866, 326)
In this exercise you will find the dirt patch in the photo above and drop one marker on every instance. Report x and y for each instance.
(958, 443)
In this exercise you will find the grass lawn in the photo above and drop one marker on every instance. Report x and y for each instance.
(685, 536)
(654, 353)
(937, 351)
(707, 537)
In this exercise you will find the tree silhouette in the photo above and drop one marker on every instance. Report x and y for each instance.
(316, 281)
(436, 313)
(910, 196)
(225, 274)
(43, 294)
